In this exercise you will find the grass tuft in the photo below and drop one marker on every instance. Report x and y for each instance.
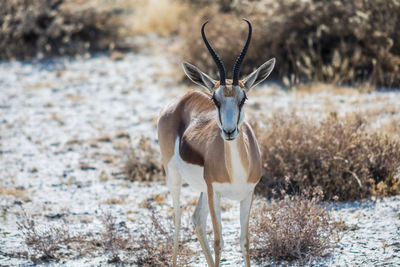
(143, 162)
(292, 228)
(157, 242)
(44, 243)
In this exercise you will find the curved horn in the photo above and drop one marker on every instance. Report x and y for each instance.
(214, 55)
(238, 62)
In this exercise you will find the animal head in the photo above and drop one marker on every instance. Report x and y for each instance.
(228, 95)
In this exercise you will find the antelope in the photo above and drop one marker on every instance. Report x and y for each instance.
(205, 141)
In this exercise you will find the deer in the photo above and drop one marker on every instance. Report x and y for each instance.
(205, 141)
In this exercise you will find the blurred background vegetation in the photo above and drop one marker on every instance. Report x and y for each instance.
(336, 41)
(351, 43)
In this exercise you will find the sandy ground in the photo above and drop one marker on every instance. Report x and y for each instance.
(65, 128)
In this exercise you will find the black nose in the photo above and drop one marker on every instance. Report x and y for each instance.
(229, 132)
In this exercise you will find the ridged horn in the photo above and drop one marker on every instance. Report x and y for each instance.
(238, 62)
(214, 55)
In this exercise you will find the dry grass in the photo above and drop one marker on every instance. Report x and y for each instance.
(392, 127)
(162, 17)
(293, 228)
(157, 244)
(16, 192)
(336, 154)
(152, 246)
(116, 242)
(143, 162)
(331, 41)
(45, 243)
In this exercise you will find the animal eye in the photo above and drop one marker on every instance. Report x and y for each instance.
(216, 102)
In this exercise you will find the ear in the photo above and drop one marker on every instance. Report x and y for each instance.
(198, 77)
(259, 74)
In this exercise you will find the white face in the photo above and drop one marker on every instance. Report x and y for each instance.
(230, 112)
(229, 99)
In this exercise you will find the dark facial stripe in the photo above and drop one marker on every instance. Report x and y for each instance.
(219, 115)
(241, 106)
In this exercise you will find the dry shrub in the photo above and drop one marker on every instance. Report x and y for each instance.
(331, 41)
(293, 228)
(152, 246)
(392, 127)
(31, 28)
(143, 163)
(46, 242)
(336, 154)
(158, 16)
(116, 242)
(157, 241)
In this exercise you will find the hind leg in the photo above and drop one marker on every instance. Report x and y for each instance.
(174, 182)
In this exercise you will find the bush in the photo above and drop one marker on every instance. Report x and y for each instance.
(336, 154)
(156, 242)
(143, 162)
(48, 242)
(293, 228)
(343, 42)
(148, 245)
(30, 28)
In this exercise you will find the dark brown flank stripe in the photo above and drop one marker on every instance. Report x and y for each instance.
(190, 155)
(186, 151)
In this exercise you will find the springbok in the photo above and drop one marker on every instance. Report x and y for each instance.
(204, 140)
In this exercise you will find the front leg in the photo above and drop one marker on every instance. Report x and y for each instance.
(245, 207)
(200, 224)
(213, 204)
